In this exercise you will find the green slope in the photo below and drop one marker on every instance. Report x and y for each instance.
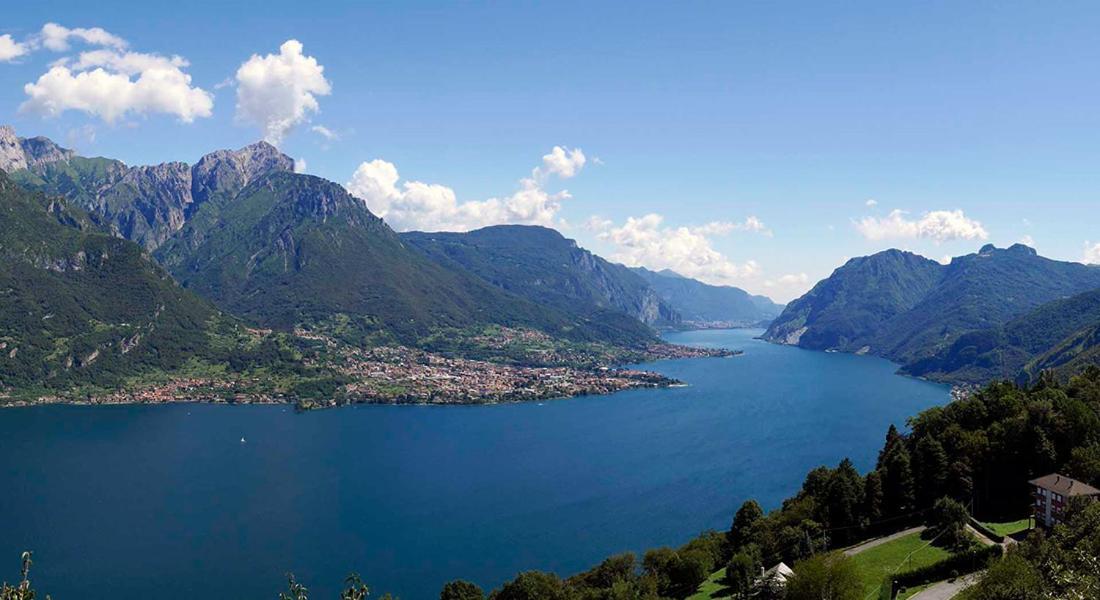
(541, 265)
(952, 322)
(981, 291)
(1069, 357)
(1059, 328)
(78, 306)
(860, 299)
(299, 250)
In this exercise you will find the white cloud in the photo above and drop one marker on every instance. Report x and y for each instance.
(800, 279)
(1091, 255)
(646, 242)
(871, 203)
(598, 224)
(109, 85)
(937, 225)
(754, 225)
(786, 287)
(561, 162)
(56, 37)
(325, 132)
(412, 205)
(1027, 240)
(11, 49)
(300, 165)
(279, 91)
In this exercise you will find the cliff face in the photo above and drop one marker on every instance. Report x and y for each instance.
(144, 204)
(698, 302)
(621, 289)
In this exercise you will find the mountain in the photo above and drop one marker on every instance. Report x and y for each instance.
(543, 266)
(702, 303)
(144, 204)
(294, 249)
(1050, 336)
(848, 310)
(80, 306)
(932, 318)
(241, 229)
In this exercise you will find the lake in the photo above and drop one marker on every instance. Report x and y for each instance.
(167, 502)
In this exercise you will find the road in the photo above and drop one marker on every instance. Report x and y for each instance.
(945, 590)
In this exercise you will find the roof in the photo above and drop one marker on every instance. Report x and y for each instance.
(780, 572)
(1066, 486)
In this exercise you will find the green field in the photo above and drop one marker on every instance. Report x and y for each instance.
(711, 588)
(1009, 527)
(903, 554)
(873, 564)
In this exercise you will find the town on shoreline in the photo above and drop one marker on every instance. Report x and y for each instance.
(404, 375)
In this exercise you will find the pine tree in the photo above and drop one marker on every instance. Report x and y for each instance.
(931, 471)
(897, 484)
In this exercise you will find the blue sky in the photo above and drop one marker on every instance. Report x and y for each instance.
(757, 132)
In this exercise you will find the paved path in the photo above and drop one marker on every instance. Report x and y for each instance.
(882, 540)
(945, 590)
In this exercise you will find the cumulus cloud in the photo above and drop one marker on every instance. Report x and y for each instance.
(408, 205)
(871, 203)
(647, 242)
(1027, 240)
(111, 82)
(109, 85)
(277, 92)
(937, 225)
(56, 37)
(1091, 255)
(11, 49)
(561, 162)
(300, 165)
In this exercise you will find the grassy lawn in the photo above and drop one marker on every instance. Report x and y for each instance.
(1008, 528)
(711, 588)
(878, 562)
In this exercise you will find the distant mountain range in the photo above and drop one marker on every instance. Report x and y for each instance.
(701, 304)
(285, 250)
(993, 314)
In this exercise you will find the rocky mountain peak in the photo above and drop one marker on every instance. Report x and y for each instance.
(42, 150)
(229, 171)
(27, 153)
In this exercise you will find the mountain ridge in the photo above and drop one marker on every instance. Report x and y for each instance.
(146, 204)
(541, 264)
(913, 310)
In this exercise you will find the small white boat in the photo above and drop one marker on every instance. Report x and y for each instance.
(242, 440)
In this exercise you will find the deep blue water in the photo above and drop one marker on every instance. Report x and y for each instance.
(166, 502)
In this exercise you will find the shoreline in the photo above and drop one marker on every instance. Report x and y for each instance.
(399, 376)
